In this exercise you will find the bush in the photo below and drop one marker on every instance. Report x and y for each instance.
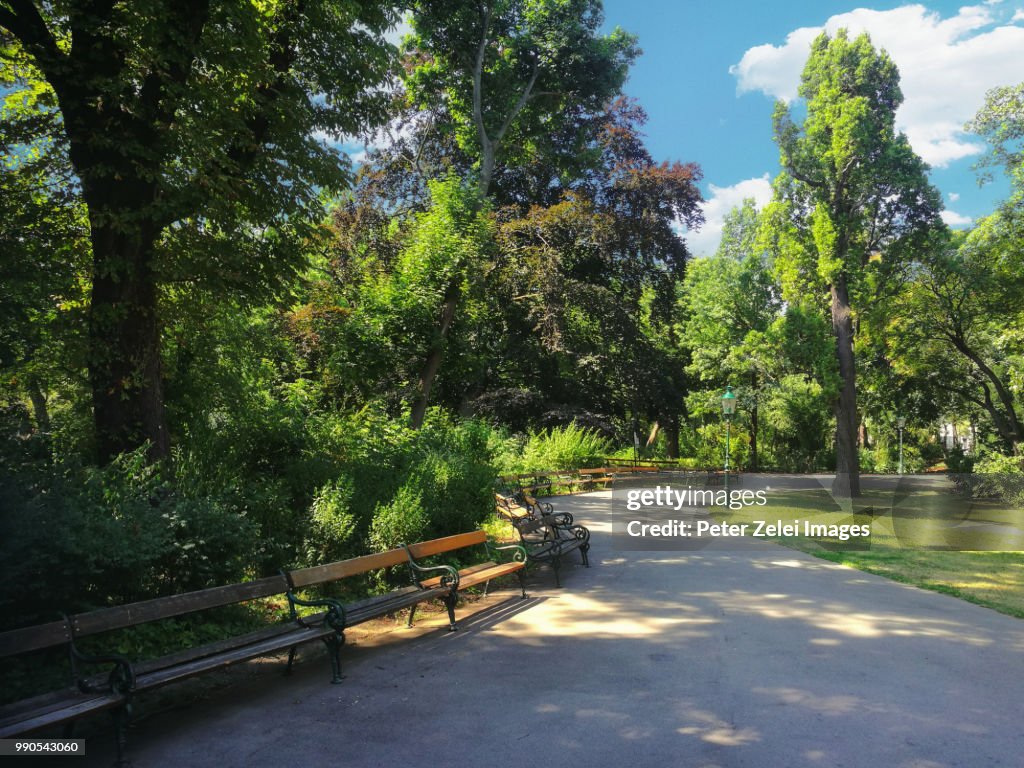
(114, 535)
(402, 521)
(711, 447)
(564, 448)
(996, 475)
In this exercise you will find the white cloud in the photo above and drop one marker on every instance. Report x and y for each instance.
(946, 65)
(954, 219)
(954, 196)
(1018, 16)
(722, 200)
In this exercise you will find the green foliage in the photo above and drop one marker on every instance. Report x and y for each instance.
(514, 76)
(402, 521)
(711, 446)
(114, 535)
(564, 448)
(333, 526)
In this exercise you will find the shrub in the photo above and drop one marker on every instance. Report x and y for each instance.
(564, 448)
(402, 521)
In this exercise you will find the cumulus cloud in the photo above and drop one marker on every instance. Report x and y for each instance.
(721, 201)
(954, 196)
(1018, 16)
(954, 219)
(946, 65)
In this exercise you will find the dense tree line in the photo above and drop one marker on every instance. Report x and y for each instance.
(225, 348)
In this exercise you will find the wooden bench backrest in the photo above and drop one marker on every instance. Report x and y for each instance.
(34, 638)
(532, 525)
(121, 616)
(320, 574)
(447, 544)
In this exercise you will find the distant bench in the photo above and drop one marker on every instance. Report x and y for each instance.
(541, 483)
(123, 678)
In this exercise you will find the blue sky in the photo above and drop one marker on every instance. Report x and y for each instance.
(710, 74)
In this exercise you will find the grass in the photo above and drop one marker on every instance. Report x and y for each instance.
(933, 540)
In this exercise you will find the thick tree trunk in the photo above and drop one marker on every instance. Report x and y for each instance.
(847, 481)
(124, 341)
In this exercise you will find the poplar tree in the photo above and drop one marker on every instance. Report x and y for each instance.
(853, 205)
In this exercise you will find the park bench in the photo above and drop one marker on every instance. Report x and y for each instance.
(589, 478)
(470, 576)
(123, 678)
(523, 506)
(718, 477)
(547, 542)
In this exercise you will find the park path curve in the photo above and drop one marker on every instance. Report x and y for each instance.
(709, 659)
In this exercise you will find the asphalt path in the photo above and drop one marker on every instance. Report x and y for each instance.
(727, 658)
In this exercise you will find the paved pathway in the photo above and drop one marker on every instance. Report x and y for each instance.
(715, 658)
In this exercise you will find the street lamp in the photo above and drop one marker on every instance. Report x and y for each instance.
(728, 411)
(901, 422)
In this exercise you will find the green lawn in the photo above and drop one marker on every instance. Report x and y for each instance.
(933, 540)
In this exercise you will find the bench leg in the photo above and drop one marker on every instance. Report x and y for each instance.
(120, 715)
(586, 558)
(449, 603)
(556, 564)
(522, 582)
(334, 643)
(291, 659)
(487, 586)
(412, 612)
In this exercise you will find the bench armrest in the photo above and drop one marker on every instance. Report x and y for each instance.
(518, 556)
(575, 531)
(450, 577)
(334, 617)
(120, 680)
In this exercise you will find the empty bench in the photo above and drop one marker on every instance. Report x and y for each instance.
(108, 682)
(119, 678)
(546, 541)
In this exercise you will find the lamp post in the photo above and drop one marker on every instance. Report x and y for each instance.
(900, 423)
(728, 409)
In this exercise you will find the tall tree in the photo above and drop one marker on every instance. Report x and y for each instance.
(854, 190)
(509, 75)
(731, 302)
(191, 126)
(959, 323)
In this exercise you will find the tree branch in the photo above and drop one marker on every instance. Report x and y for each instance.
(523, 98)
(478, 73)
(27, 25)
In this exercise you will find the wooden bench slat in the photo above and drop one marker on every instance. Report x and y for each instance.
(366, 612)
(341, 569)
(464, 573)
(211, 649)
(266, 647)
(479, 577)
(447, 544)
(33, 638)
(62, 707)
(119, 617)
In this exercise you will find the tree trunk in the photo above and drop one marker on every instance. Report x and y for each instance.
(39, 409)
(124, 340)
(847, 481)
(672, 436)
(1014, 432)
(753, 425)
(436, 354)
